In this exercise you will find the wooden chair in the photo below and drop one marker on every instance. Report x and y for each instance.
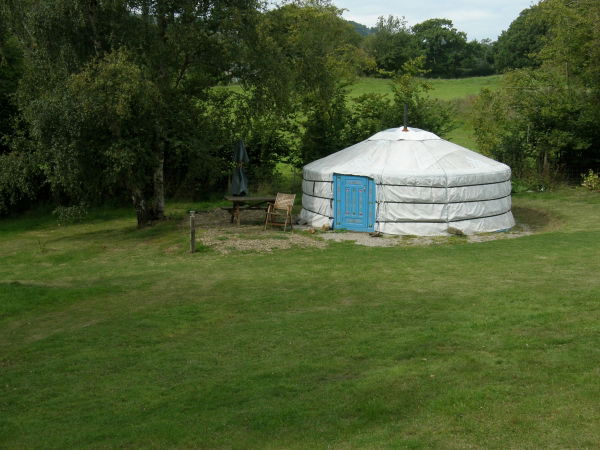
(280, 212)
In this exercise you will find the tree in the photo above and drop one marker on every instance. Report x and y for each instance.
(479, 58)
(443, 45)
(96, 128)
(369, 114)
(171, 50)
(309, 56)
(11, 70)
(531, 123)
(361, 29)
(572, 48)
(543, 121)
(19, 172)
(392, 44)
(411, 88)
(517, 47)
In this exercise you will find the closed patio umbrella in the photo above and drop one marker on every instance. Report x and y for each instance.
(239, 182)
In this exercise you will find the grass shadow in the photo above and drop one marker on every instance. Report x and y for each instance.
(120, 233)
(535, 219)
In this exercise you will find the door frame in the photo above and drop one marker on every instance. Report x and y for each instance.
(338, 184)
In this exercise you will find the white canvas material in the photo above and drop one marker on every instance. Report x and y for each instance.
(423, 184)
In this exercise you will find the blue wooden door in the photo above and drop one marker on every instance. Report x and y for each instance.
(354, 200)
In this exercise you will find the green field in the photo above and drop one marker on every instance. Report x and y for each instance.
(442, 89)
(114, 337)
(451, 89)
(463, 134)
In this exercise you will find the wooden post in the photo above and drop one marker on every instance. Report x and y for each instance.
(192, 232)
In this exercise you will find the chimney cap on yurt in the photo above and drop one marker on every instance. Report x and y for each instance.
(405, 129)
(398, 134)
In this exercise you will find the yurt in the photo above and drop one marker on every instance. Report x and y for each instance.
(407, 181)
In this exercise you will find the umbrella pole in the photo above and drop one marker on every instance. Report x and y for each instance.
(192, 231)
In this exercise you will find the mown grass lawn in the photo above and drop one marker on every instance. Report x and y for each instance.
(112, 337)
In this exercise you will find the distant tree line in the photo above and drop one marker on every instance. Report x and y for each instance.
(447, 52)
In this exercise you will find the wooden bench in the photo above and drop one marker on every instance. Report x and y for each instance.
(240, 204)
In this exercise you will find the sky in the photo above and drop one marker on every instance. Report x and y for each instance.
(480, 19)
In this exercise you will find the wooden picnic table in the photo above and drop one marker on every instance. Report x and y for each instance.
(246, 202)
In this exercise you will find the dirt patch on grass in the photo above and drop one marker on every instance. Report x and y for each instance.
(215, 230)
(535, 219)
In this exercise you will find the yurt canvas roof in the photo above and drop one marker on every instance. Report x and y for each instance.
(414, 158)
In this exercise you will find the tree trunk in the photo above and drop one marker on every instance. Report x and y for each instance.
(93, 5)
(149, 203)
(159, 189)
(139, 204)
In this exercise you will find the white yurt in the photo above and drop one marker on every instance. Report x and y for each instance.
(407, 181)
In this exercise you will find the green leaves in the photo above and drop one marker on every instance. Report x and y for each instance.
(392, 44)
(411, 88)
(312, 50)
(443, 45)
(591, 181)
(519, 45)
(445, 49)
(544, 121)
(306, 56)
(112, 87)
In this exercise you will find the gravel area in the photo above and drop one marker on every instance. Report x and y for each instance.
(383, 240)
(371, 241)
(391, 241)
(215, 230)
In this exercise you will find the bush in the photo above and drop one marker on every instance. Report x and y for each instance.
(21, 182)
(534, 123)
(66, 215)
(519, 185)
(591, 181)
